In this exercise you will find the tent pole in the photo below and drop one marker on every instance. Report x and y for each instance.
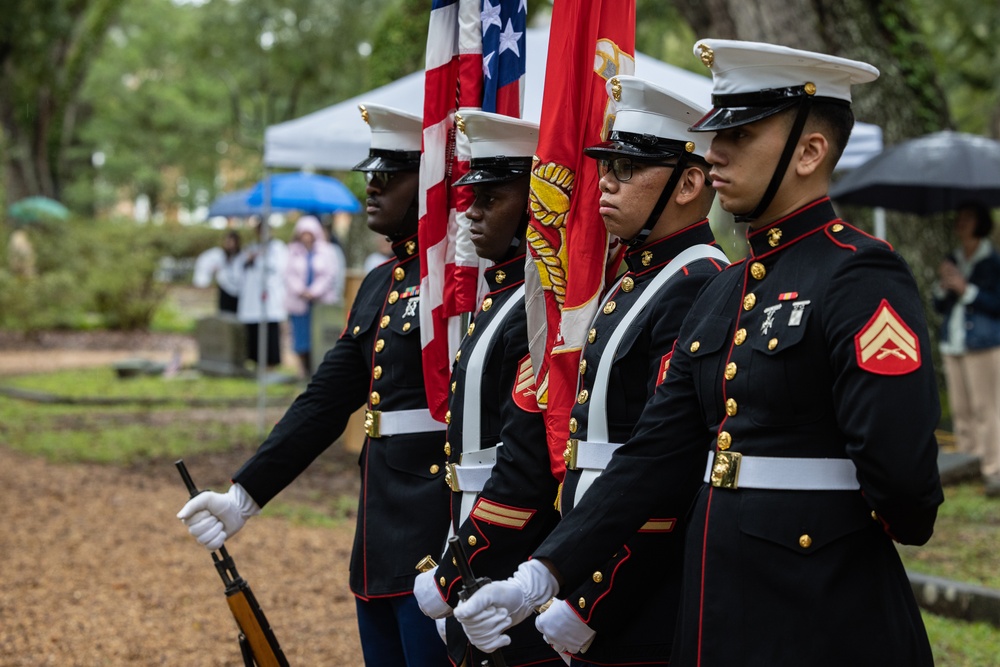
(265, 239)
(879, 213)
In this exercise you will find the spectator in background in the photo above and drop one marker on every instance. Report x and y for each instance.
(260, 272)
(381, 254)
(311, 274)
(967, 294)
(218, 265)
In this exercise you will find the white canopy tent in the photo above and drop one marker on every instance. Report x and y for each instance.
(336, 138)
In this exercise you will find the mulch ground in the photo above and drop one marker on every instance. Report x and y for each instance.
(97, 570)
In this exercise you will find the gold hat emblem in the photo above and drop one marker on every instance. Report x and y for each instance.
(810, 88)
(364, 113)
(460, 123)
(707, 55)
(616, 89)
(689, 147)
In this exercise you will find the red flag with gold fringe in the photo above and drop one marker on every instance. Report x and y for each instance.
(571, 254)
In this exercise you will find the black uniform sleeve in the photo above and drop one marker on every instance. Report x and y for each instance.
(319, 415)
(888, 420)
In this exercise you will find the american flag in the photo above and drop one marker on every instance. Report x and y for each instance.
(475, 59)
(571, 254)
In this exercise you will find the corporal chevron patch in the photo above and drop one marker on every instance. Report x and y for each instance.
(886, 345)
(664, 367)
(524, 387)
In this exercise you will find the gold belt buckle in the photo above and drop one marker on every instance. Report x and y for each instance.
(426, 564)
(373, 419)
(569, 456)
(726, 470)
(450, 477)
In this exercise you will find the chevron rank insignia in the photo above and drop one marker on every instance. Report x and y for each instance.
(885, 345)
(664, 367)
(524, 387)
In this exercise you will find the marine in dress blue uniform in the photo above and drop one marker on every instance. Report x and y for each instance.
(376, 363)
(629, 604)
(497, 461)
(802, 397)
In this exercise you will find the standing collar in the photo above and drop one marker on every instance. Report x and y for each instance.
(655, 254)
(405, 249)
(505, 275)
(785, 231)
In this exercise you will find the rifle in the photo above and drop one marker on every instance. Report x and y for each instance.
(470, 584)
(258, 645)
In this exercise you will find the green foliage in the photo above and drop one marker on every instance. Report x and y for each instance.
(399, 41)
(961, 644)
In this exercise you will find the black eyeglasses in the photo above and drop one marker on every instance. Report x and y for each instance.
(623, 166)
(382, 177)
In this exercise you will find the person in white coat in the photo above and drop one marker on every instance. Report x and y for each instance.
(261, 273)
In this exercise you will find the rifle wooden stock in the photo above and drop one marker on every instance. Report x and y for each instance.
(258, 644)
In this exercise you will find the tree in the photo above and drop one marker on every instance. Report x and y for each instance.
(46, 50)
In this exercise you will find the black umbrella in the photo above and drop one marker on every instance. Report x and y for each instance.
(930, 174)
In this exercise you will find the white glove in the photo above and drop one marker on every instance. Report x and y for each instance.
(501, 604)
(212, 518)
(428, 595)
(563, 629)
(442, 628)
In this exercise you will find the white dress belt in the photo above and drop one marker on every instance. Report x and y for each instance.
(400, 422)
(594, 455)
(475, 470)
(737, 471)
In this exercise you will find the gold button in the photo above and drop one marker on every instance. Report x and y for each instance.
(377, 372)
(406, 326)
(730, 370)
(646, 258)
(749, 301)
(598, 577)
(725, 440)
(628, 284)
(809, 88)
(356, 330)
(805, 541)
(773, 343)
(573, 425)
(592, 335)
(731, 407)
(874, 516)
(434, 469)
(472, 327)
(740, 337)
(582, 396)
(458, 355)
(447, 449)
(398, 273)
(609, 307)
(487, 304)
(380, 345)
(774, 237)
(583, 366)
(376, 399)
(500, 277)
(453, 384)
(472, 540)
(443, 581)
(393, 296)
(695, 346)
(447, 417)
(581, 603)
(837, 228)
(384, 322)
(411, 247)
(757, 270)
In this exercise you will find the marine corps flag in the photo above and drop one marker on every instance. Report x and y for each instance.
(590, 41)
(475, 59)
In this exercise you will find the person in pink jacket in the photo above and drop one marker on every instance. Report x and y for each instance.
(310, 276)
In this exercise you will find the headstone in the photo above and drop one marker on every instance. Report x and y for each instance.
(222, 346)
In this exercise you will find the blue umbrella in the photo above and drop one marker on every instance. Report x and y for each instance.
(306, 192)
(235, 205)
(38, 209)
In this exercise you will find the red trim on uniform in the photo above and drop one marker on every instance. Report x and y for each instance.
(848, 246)
(701, 596)
(611, 582)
